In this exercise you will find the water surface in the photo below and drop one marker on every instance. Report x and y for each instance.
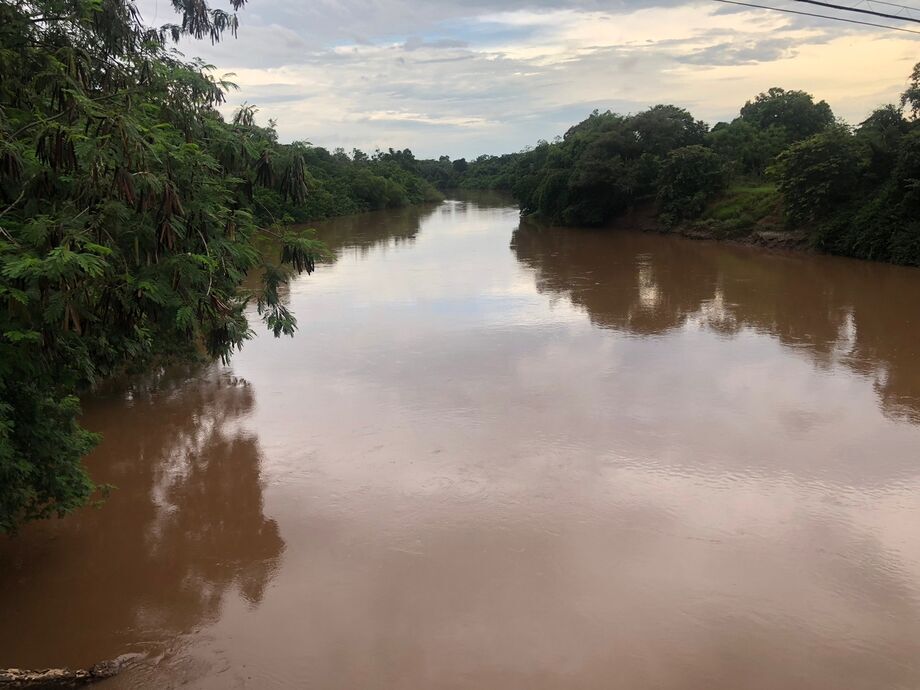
(499, 456)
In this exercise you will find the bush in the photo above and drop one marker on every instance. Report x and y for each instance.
(818, 174)
(690, 177)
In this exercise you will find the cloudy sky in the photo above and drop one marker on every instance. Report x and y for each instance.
(466, 77)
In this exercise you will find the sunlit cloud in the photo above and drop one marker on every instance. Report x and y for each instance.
(465, 78)
(396, 116)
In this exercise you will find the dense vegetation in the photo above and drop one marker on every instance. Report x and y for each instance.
(338, 184)
(129, 211)
(784, 162)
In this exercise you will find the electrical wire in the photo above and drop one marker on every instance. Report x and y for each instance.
(860, 10)
(821, 16)
(889, 4)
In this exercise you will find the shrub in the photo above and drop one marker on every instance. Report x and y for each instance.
(690, 177)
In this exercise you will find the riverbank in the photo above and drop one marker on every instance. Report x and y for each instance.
(749, 214)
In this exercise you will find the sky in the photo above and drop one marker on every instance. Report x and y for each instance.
(470, 77)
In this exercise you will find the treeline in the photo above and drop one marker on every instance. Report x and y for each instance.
(129, 212)
(340, 184)
(785, 162)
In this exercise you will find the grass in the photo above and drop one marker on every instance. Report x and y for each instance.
(751, 202)
(743, 208)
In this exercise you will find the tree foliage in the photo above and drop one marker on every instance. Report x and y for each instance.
(911, 96)
(690, 178)
(820, 173)
(857, 192)
(851, 191)
(795, 112)
(599, 168)
(747, 148)
(128, 214)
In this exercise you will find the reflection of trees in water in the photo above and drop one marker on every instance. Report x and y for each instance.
(360, 232)
(185, 525)
(859, 313)
(366, 231)
(483, 198)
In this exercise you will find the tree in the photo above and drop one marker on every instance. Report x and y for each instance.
(125, 225)
(795, 111)
(750, 148)
(663, 128)
(690, 177)
(911, 96)
(906, 175)
(818, 174)
(882, 133)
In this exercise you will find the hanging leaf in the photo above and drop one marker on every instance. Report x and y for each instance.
(302, 251)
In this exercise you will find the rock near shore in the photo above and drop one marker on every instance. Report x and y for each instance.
(59, 677)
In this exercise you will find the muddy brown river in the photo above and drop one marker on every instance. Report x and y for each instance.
(499, 456)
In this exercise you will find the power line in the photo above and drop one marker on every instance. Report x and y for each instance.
(821, 16)
(860, 10)
(889, 4)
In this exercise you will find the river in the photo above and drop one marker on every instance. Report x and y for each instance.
(499, 456)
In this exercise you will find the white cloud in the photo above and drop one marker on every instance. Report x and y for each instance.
(465, 78)
(397, 116)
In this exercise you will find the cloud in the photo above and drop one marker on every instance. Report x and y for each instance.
(483, 76)
(421, 118)
(414, 43)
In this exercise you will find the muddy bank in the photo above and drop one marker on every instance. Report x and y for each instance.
(48, 678)
(768, 233)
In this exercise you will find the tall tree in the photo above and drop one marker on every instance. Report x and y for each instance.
(125, 228)
(795, 111)
(911, 96)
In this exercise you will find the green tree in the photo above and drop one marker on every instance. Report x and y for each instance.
(125, 225)
(750, 148)
(882, 133)
(690, 178)
(854, 192)
(818, 174)
(795, 111)
(663, 128)
(911, 96)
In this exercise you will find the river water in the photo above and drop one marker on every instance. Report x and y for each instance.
(499, 456)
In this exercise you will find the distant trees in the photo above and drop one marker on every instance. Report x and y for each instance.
(855, 191)
(599, 168)
(443, 173)
(338, 184)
